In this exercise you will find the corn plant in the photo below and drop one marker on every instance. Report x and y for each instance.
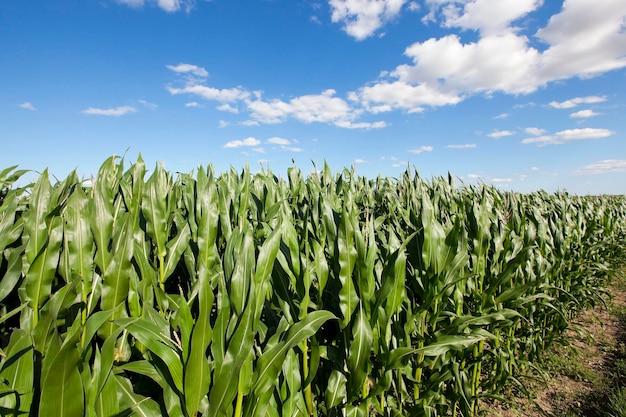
(241, 294)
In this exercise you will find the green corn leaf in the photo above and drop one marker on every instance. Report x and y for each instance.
(197, 372)
(116, 279)
(17, 371)
(38, 280)
(132, 403)
(62, 387)
(154, 209)
(13, 273)
(10, 230)
(175, 249)
(348, 298)
(158, 343)
(359, 352)
(270, 363)
(335, 393)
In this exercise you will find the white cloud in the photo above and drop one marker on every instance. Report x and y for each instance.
(245, 142)
(583, 39)
(501, 180)
(210, 93)
(223, 123)
(323, 108)
(360, 161)
(421, 149)
(569, 135)
(258, 150)
(193, 104)
(278, 141)
(291, 148)
(501, 134)
(586, 38)
(584, 114)
(116, 111)
(463, 146)
(413, 6)
(360, 125)
(169, 6)
(227, 107)
(131, 3)
(502, 116)
(189, 69)
(488, 16)
(149, 105)
(28, 106)
(535, 168)
(535, 131)
(284, 144)
(603, 167)
(568, 104)
(362, 18)
(405, 96)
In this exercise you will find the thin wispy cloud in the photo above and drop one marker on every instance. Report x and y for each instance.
(421, 149)
(170, 6)
(603, 167)
(189, 69)
(568, 104)
(462, 146)
(151, 106)
(569, 135)
(583, 114)
(28, 106)
(501, 134)
(114, 112)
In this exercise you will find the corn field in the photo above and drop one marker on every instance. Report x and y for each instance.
(246, 294)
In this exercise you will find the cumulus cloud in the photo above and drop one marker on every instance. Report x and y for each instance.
(387, 96)
(249, 142)
(284, 144)
(535, 131)
(323, 108)
(581, 40)
(28, 106)
(502, 116)
(501, 180)
(227, 107)
(569, 135)
(192, 104)
(487, 16)
(501, 134)
(462, 146)
(603, 167)
(421, 149)
(568, 104)
(362, 18)
(116, 111)
(584, 114)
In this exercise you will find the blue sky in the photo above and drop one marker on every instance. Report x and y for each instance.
(522, 94)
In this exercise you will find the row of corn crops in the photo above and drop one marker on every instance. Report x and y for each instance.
(246, 294)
